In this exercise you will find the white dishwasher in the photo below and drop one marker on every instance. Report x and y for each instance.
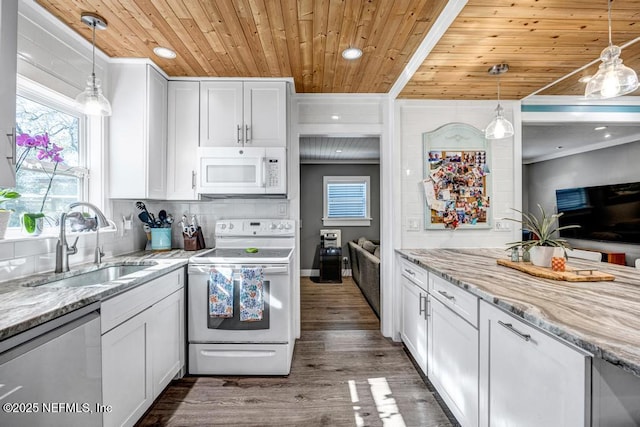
(51, 375)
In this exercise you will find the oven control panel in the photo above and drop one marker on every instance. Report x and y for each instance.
(255, 227)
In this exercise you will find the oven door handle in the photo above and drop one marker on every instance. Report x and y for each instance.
(266, 269)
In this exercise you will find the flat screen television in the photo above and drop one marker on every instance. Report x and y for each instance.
(605, 212)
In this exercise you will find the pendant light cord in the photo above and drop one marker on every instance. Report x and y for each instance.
(609, 6)
(93, 57)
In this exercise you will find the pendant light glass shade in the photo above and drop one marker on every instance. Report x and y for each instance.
(499, 127)
(91, 100)
(612, 79)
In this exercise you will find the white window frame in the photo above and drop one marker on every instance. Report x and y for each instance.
(346, 222)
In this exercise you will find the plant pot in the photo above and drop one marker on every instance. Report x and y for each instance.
(32, 223)
(4, 221)
(541, 255)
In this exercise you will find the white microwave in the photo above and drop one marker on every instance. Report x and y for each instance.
(252, 170)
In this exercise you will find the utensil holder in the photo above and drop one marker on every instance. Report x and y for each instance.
(160, 239)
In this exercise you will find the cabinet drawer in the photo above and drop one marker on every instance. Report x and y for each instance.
(126, 305)
(414, 273)
(460, 301)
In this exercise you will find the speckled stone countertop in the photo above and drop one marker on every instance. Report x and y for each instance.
(24, 304)
(602, 318)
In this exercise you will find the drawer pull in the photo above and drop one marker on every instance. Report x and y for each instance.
(510, 327)
(447, 296)
(406, 270)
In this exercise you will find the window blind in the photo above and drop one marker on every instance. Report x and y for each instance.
(347, 200)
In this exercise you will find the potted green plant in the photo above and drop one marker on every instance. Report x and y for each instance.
(6, 195)
(544, 243)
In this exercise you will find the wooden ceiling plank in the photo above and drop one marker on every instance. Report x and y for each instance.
(263, 30)
(289, 10)
(320, 22)
(235, 39)
(347, 39)
(333, 53)
(249, 32)
(279, 36)
(366, 11)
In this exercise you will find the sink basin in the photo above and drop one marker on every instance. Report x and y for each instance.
(95, 277)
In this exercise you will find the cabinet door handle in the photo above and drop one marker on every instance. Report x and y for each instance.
(239, 135)
(12, 142)
(247, 138)
(510, 327)
(406, 270)
(193, 180)
(447, 296)
(423, 309)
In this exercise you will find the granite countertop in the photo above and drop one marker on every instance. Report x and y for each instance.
(24, 305)
(602, 318)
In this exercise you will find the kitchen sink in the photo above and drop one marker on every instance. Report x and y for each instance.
(94, 277)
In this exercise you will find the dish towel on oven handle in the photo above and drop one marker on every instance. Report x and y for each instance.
(221, 292)
(251, 294)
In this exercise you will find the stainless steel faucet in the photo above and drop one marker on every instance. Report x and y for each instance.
(63, 250)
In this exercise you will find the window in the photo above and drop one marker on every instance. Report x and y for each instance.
(37, 114)
(346, 201)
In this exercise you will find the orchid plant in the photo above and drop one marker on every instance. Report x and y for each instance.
(45, 151)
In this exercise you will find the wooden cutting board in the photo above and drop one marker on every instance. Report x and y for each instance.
(570, 275)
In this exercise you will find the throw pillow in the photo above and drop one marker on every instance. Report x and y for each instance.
(369, 246)
(376, 253)
(361, 241)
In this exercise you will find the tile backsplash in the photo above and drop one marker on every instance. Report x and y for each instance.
(23, 256)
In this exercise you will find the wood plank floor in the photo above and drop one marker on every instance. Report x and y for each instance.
(344, 373)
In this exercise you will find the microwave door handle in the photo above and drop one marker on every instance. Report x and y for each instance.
(264, 172)
(239, 135)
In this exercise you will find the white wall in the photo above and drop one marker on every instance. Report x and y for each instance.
(416, 117)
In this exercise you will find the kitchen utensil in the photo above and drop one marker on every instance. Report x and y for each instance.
(169, 219)
(194, 221)
(144, 217)
(162, 216)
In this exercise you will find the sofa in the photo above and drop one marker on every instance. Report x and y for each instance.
(364, 256)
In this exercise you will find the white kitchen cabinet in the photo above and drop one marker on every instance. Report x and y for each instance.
(237, 113)
(183, 125)
(142, 346)
(138, 132)
(414, 312)
(8, 53)
(529, 378)
(453, 361)
(126, 383)
(166, 340)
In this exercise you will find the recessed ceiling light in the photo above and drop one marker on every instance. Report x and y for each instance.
(607, 135)
(335, 117)
(164, 52)
(351, 53)
(600, 128)
(338, 151)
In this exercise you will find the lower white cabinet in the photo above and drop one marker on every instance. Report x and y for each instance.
(142, 354)
(453, 362)
(414, 321)
(529, 378)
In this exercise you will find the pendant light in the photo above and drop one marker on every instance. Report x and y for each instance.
(499, 127)
(612, 79)
(91, 100)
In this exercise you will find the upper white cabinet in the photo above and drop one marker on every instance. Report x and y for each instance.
(182, 139)
(8, 53)
(414, 312)
(138, 132)
(235, 113)
(528, 378)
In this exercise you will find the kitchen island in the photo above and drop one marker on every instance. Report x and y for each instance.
(602, 318)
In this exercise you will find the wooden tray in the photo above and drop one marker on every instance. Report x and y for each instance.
(570, 275)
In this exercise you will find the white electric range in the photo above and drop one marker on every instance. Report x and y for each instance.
(230, 345)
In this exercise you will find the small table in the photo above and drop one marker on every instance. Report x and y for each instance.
(330, 265)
